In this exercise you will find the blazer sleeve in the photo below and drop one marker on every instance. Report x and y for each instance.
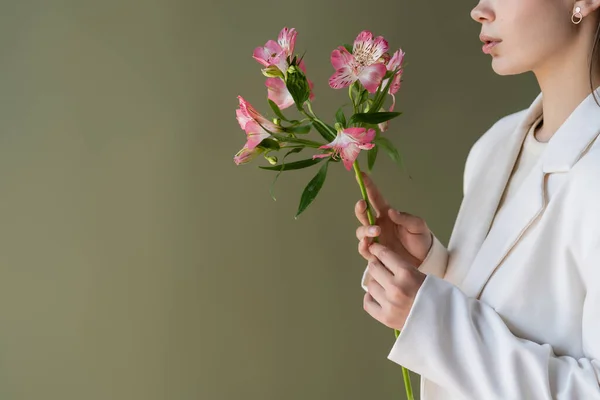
(463, 345)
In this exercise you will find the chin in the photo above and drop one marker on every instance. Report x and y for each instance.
(504, 67)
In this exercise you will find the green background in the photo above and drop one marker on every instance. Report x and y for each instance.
(138, 262)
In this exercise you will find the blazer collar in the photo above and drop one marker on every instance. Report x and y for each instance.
(571, 140)
(478, 248)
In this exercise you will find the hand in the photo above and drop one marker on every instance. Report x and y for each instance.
(404, 233)
(392, 288)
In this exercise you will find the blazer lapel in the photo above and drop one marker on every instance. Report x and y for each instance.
(565, 147)
(479, 206)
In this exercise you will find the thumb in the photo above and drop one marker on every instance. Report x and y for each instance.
(411, 222)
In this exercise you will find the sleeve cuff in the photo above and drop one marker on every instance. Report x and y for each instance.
(435, 262)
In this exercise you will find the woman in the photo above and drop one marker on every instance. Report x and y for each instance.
(511, 309)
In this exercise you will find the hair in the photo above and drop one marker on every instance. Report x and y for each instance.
(594, 58)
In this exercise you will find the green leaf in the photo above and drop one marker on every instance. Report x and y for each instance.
(389, 74)
(277, 111)
(301, 130)
(373, 118)
(312, 189)
(371, 157)
(326, 134)
(289, 139)
(309, 162)
(349, 48)
(364, 96)
(390, 149)
(340, 117)
(272, 189)
(269, 144)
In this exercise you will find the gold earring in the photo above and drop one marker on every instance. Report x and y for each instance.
(577, 14)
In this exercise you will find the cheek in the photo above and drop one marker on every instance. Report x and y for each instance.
(530, 46)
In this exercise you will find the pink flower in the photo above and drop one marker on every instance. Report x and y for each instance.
(363, 64)
(348, 144)
(256, 126)
(280, 95)
(393, 64)
(277, 53)
(287, 40)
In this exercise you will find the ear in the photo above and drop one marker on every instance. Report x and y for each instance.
(587, 7)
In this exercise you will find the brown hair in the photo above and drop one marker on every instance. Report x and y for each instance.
(593, 59)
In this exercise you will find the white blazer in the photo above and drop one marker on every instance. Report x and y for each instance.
(514, 313)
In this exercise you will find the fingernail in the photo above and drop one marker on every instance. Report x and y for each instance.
(373, 230)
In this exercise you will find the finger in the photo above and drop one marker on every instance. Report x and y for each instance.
(377, 201)
(380, 274)
(363, 250)
(368, 231)
(411, 222)
(360, 209)
(377, 292)
(371, 306)
(392, 260)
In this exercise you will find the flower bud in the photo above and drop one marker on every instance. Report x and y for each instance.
(277, 121)
(297, 85)
(272, 71)
(271, 159)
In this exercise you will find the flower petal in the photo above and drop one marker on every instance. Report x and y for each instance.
(364, 39)
(246, 155)
(255, 134)
(343, 78)
(372, 76)
(250, 112)
(380, 46)
(396, 82)
(324, 155)
(270, 54)
(396, 60)
(349, 155)
(287, 40)
(383, 126)
(278, 93)
(368, 50)
(360, 135)
(242, 118)
(341, 58)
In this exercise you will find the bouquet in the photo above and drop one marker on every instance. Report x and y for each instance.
(369, 73)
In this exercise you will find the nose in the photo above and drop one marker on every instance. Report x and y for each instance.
(482, 12)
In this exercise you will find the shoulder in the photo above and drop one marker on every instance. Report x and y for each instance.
(585, 174)
(498, 131)
(494, 136)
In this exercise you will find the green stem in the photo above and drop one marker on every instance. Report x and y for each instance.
(363, 191)
(314, 118)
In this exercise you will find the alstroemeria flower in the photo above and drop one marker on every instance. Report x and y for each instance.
(277, 90)
(362, 65)
(256, 126)
(393, 64)
(277, 53)
(348, 144)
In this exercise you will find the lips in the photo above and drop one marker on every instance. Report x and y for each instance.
(489, 42)
(486, 38)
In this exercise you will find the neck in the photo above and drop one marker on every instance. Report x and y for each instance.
(565, 83)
